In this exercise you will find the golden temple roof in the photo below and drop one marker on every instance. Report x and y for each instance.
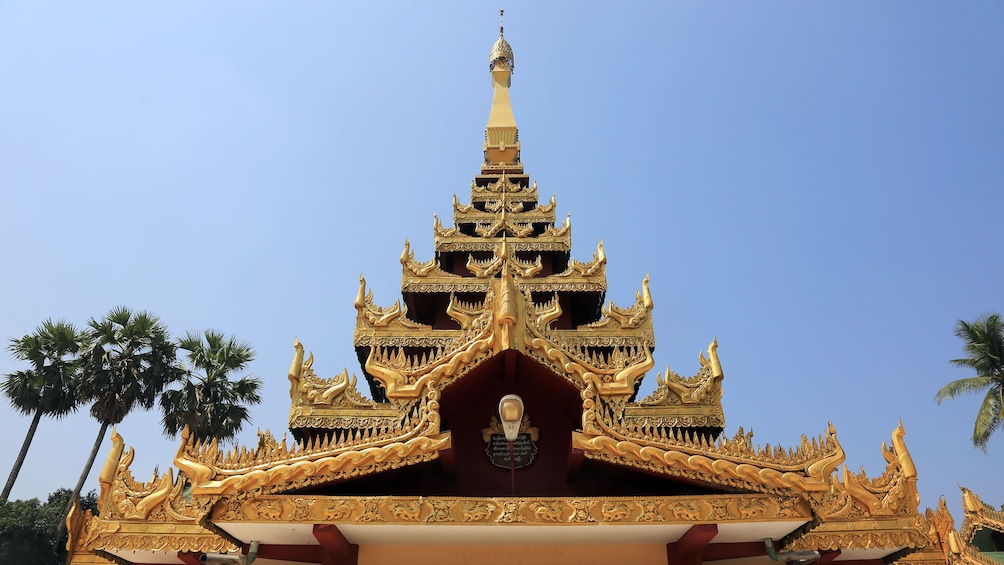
(503, 301)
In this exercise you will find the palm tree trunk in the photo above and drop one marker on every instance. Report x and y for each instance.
(20, 456)
(80, 481)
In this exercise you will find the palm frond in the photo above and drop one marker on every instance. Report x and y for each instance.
(959, 387)
(212, 405)
(983, 344)
(988, 419)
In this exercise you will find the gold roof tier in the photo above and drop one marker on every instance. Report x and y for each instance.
(222, 497)
(982, 532)
(559, 241)
(502, 207)
(429, 276)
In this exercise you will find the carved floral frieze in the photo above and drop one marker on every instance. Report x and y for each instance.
(446, 510)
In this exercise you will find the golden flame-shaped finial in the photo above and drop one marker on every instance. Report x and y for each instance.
(501, 51)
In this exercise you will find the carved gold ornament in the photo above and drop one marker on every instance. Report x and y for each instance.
(461, 510)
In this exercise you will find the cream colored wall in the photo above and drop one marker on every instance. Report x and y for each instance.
(513, 554)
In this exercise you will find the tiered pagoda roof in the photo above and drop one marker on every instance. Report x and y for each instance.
(502, 307)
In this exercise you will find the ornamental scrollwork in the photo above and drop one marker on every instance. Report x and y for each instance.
(673, 389)
(626, 318)
(372, 316)
(307, 388)
(440, 231)
(895, 492)
(460, 243)
(560, 231)
(485, 269)
(543, 511)
(466, 314)
(340, 464)
(735, 462)
(424, 269)
(121, 495)
(976, 515)
(836, 540)
(201, 543)
(541, 315)
(590, 269)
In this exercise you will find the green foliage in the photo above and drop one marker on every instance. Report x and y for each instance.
(28, 528)
(208, 402)
(48, 387)
(48, 384)
(128, 363)
(122, 361)
(983, 342)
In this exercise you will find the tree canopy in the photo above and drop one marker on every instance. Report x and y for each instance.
(28, 528)
(983, 343)
(48, 387)
(208, 402)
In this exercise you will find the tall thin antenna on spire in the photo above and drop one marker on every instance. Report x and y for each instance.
(501, 14)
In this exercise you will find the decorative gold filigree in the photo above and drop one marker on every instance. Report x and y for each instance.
(547, 284)
(207, 479)
(172, 542)
(977, 514)
(525, 269)
(895, 492)
(616, 381)
(565, 230)
(547, 243)
(545, 313)
(373, 316)
(466, 314)
(736, 463)
(895, 535)
(673, 389)
(501, 55)
(439, 231)
(627, 318)
(485, 269)
(941, 521)
(592, 268)
(446, 510)
(403, 380)
(339, 390)
(121, 495)
(416, 268)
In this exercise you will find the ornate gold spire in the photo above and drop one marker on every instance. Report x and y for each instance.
(501, 49)
(501, 135)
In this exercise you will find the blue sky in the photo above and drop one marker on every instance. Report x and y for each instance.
(819, 185)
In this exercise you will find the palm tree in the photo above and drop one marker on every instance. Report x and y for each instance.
(48, 387)
(129, 361)
(208, 402)
(984, 346)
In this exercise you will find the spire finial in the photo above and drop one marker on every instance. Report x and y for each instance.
(501, 136)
